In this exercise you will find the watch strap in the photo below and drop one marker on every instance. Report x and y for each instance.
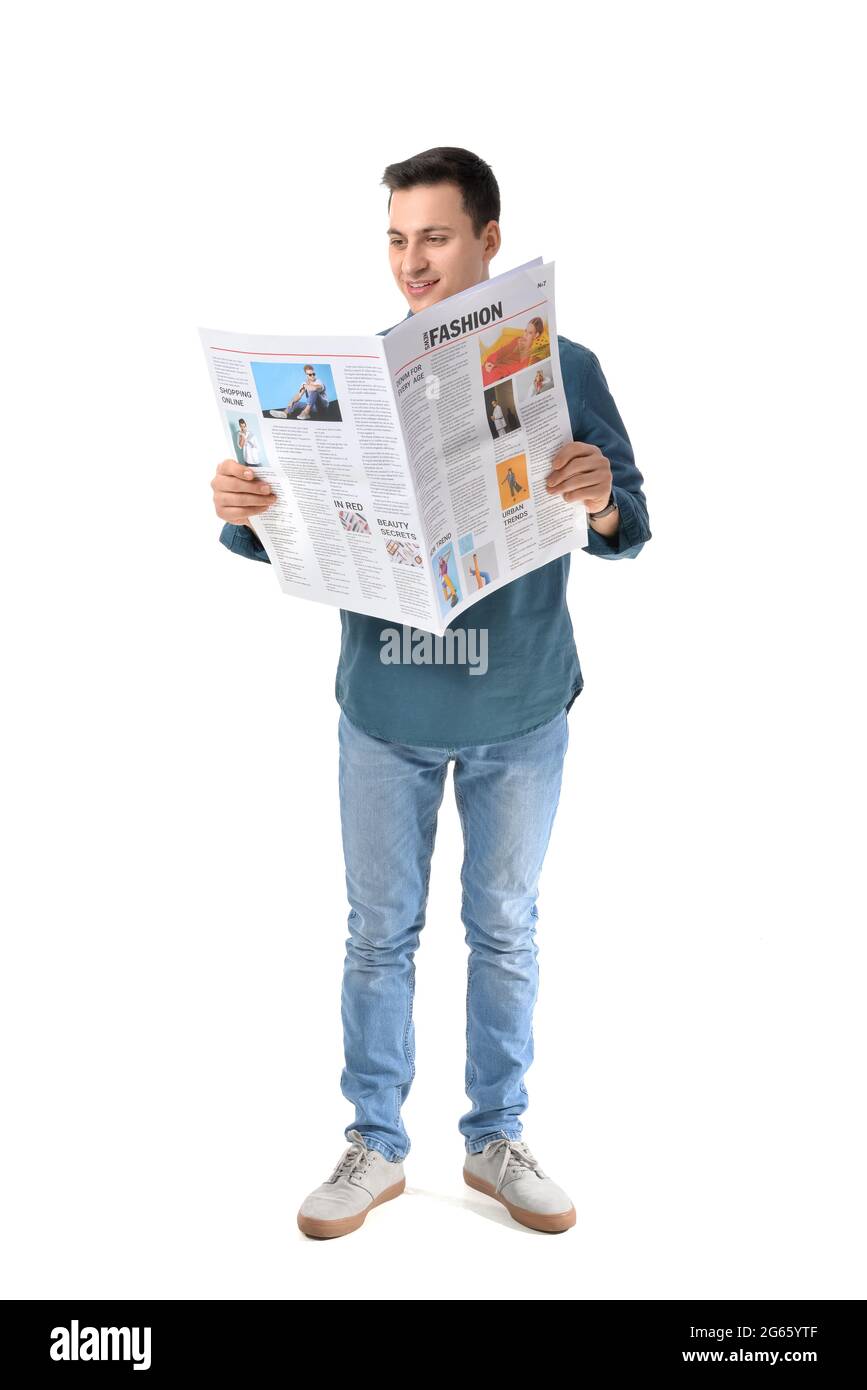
(611, 507)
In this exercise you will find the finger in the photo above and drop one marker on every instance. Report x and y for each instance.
(570, 470)
(591, 478)
(560, 460)
(238, 515)
(235, 503)
(242, 499)
(259, 488)
(234, 469)
(572, 478)
(576, 450)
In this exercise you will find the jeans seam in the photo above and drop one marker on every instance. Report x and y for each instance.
(433, 830)
(459, 801)
(399, 1087)
(534, 916)
(433, 833)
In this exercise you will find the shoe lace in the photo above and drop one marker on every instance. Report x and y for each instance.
(355, 1159)
(516, 1160)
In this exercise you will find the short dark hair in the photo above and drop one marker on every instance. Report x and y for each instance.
(480, 193)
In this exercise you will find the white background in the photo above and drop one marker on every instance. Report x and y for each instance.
(176, 913)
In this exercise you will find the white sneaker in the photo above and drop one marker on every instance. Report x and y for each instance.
(364, 1178)
(506, 1170)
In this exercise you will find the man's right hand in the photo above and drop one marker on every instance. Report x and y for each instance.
(239, 493)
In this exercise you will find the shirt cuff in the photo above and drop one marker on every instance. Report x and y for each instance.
(244, 542)
(628, 538)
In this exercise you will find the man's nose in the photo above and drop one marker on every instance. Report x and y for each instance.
(414, 262)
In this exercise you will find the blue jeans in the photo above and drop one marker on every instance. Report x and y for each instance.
(507, 795)
(316, 407)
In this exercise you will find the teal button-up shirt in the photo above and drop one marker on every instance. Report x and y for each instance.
(533, 670)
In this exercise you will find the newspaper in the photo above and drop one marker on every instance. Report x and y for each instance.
(409, 468)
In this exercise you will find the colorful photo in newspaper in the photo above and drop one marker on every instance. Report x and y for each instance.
(246, 438)
(478, 562)
(503, 417)
(404, 553)
(447, 579)
(514, 348)
(531, 384)
(512, 480)
(303, 391)
(351, 517)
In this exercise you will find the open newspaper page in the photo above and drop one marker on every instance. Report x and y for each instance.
(483, 411)
(315, 417)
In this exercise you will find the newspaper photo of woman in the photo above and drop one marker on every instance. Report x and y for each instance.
(245, 438)
(512, 480)
(449, 591)
(539, 384)
(247, 446)
(446, 572)
(529, 346)
(514, 486)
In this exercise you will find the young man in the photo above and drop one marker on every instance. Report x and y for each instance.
(401, 725)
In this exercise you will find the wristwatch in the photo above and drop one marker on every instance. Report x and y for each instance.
(612, 507)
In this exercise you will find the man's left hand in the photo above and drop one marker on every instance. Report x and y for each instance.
(581, 473)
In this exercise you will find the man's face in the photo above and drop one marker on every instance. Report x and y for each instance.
(431, 243)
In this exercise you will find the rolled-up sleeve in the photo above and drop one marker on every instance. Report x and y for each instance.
(600, 424)
(243, 541)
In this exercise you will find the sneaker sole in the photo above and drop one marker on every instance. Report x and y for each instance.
(318, 1228)
(551, 1221)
